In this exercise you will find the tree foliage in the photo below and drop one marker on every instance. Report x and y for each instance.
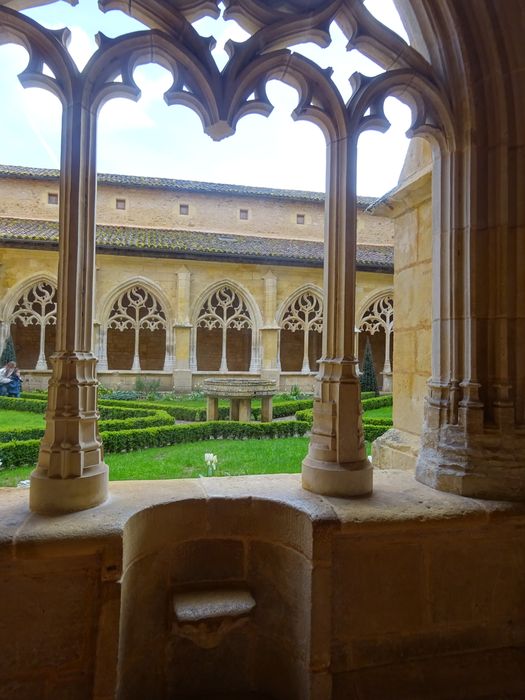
(368, 375)
(8, 353)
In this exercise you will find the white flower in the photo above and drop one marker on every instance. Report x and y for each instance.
(211, 462)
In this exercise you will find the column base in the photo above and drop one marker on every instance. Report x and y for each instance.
(330, 479)
(56, 496)
(487, 465)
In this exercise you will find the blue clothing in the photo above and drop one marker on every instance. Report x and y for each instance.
(14, 387)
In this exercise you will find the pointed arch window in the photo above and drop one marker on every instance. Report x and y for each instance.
(33, 322)
(137, 331)
(224, 332)
(301, 329)
(380, 317)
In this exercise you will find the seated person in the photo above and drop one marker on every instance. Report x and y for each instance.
(15, 385)
(10, 380)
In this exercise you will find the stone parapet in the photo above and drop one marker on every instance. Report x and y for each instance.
(425, 612)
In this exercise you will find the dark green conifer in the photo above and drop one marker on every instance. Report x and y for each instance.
(8, 353)
(368, 375)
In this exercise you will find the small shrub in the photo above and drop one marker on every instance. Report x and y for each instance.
(147, 388)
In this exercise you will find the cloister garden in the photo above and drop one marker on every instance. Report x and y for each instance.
(148, 435)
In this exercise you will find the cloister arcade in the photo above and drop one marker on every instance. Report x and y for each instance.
(412, 590)
(135, 332)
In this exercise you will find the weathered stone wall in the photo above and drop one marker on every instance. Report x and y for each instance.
(410, 593)
(153, 208)
(411, 208)
(115, 272)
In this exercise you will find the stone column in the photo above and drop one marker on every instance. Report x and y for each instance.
(41, 363)
(102, 347)
(270, 365)
(71, 473)
(245, 410)
(182, 375)
(266, 409)
(212, 408)
(234, 409)
(336, 463)
(387, 367)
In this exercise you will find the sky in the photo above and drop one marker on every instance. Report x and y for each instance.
(149, 138)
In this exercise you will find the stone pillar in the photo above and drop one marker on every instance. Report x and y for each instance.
(41, 363)
(4, 333)
(387, 367)
(234, 409)
(102, 347)
(181, 333)
(212, 408)
(71, 473)
(336, 463)
(473, 441)
(266, 409)
(245, 410)
(270, 364)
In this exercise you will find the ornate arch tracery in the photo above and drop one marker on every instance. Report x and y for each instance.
(221, 99)
(137, 309)
(379, 316)
(37, 307)
(224, 309)
(304, 314)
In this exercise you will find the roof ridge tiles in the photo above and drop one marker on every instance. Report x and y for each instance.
(20, 171)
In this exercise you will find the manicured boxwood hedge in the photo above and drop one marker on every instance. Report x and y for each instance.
(25, 452)
(372, 427)
(377, 402)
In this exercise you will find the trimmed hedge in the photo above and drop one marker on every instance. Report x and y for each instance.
(377, 402)
(179, 412)
(22, 453)
(128, 440)
(281, 409)
(372, 427)
(29, 405)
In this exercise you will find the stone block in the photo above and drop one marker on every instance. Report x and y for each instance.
(474, 579)
(280, 583)
(378, 588)
(205, 560)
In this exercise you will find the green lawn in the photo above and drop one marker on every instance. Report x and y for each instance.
(384, 412)
(22, 419)
(235, 457)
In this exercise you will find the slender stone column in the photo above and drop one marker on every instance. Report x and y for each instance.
(266, 409)
(234, 409)
(71, 473)
(387, 367)
(245, 410)
(212, 408)
(102, 347)
(336, 463)
(269, 335)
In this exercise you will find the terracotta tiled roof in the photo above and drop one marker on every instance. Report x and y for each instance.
(127, 240)
(163, 183)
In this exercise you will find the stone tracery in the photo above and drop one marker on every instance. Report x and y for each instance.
(380, 317)
(336, 462)
(137, 309)
(224, 310)
(37, 307)
(304, 314)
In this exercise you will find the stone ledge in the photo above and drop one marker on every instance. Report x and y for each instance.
(397, 498)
